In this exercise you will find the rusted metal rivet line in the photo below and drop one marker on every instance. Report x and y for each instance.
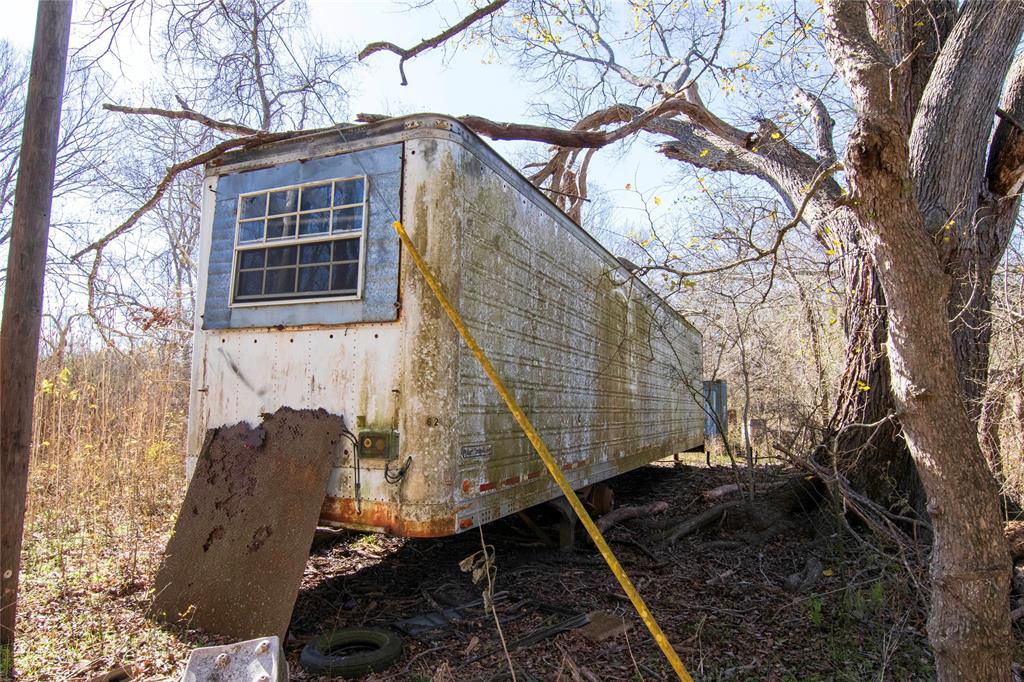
(549, 462)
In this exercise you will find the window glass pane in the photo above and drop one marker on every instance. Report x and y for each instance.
(254, 206)
(346, 249)
(313, 223)
(317, 196)
(315, 253)
(280, 281)
(284, 255)
(346, 277)
(348, 219)
(248, 260)
(284, 202)
(250, 284)
(348, 192)
(316, 278)
(251, 231)
(302, 261)
(281, 227)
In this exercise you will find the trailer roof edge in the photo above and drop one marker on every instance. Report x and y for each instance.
(345, 138)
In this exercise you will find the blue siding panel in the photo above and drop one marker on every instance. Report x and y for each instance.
(383, 168)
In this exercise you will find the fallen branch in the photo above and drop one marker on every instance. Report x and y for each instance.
(621, 514)
(721, 491)
(705, 518)
(583, 135)
(158, 193)
(169, 177)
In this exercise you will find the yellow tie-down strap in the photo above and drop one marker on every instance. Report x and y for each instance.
(549, 462)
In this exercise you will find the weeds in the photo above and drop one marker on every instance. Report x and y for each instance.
(106, 479)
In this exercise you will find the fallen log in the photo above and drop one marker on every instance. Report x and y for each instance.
(721, 491)
(621, 514)
(705, 518)
(782, 508)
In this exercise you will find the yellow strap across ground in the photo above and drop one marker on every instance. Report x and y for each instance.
(549, 462)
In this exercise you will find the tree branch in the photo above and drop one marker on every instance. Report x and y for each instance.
(1005, 172)
(184, 115)
(430, 43)
(759, 252)
(583, 135)
(959, 104)
(169, 177)
(856, 56)
(823, 124)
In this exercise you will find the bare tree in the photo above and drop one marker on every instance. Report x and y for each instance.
(240, 73)
(83, 141)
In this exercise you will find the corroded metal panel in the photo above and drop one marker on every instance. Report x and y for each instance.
(351, 371)
(234, 563)
(605, 370)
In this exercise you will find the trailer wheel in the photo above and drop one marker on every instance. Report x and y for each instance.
(351, 652)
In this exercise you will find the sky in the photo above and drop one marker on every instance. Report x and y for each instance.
(455, 82)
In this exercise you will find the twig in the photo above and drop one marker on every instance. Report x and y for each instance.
(430, 43)
(629, 648)
(494, 609)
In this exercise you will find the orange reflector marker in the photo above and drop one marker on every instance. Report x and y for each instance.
(549, 461)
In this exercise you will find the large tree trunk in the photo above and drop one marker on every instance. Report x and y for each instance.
(968, 623)
(904, 190)
(864, 438)
(876, 460)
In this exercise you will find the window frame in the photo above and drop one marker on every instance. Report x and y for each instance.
(297, 241)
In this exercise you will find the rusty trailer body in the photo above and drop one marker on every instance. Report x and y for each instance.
(306, 301)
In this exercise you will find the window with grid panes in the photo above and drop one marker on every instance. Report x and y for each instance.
(300, 242)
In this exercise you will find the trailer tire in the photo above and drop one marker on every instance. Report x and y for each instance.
(351, 652)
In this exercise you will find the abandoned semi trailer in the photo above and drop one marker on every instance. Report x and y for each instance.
(307, 301)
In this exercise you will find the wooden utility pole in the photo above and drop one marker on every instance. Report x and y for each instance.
(23, 300)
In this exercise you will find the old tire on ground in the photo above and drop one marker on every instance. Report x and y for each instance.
(351, 652)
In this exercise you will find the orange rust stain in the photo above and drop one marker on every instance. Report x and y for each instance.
(386, 517)
(513, 480)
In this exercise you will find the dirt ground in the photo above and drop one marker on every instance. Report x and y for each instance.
(721, 601)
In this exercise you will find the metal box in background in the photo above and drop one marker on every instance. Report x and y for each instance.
(716, 421)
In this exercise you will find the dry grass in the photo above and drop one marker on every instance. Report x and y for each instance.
(106, 479)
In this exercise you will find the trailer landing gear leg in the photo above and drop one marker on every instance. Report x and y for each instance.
(566, 524)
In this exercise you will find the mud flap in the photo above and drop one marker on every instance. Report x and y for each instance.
(234, 563)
